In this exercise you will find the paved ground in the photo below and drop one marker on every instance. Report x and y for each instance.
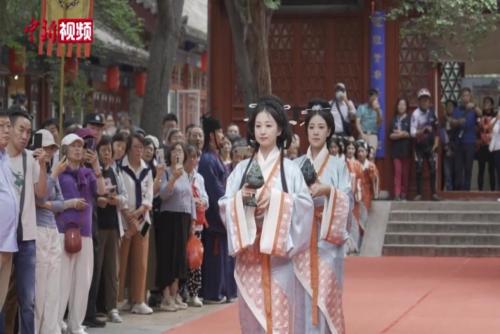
(394, 295)
(157, 323)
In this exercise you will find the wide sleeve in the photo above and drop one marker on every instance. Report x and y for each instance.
(238, 219)
(286, 229)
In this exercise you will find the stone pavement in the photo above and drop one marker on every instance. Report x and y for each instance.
(156, 323)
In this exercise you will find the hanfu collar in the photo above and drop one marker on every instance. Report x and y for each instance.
(320, 158)
(267, 164)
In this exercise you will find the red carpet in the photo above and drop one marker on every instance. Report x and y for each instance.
(403, 295)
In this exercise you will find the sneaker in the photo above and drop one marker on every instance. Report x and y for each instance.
(114, 316)
(436, 198)
(168, 305)
(215, 302)
(195, 302)
(179, 303)
(94, 323)
(141, 308)
(418, 198)
(124, 306)
(232, 300)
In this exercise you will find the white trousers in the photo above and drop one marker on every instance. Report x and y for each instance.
(5, 270)
(76, 277)
(47, 284)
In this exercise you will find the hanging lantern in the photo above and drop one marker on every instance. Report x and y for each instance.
(140, 83)
(204, 61)
(113, 78)
(71, 69)
(17, 60)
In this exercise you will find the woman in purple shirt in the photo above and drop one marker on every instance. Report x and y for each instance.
(83, 183)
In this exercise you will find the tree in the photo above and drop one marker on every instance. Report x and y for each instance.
(250, 21)
(161, 62)
(458, 22)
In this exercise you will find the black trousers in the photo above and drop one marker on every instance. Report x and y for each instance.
(464, 158)
(424, 153)
(484, 156)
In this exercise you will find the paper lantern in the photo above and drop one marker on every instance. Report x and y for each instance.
(17, 60)
(113, 78)
(71, 69)
(140, 83)
(204, 61)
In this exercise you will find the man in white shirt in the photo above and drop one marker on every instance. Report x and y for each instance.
(29, 170)
(343, 111)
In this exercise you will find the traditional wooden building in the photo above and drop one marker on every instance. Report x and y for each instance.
(314, 44)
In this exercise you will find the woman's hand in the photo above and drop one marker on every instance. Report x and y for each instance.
(177, 172)
(160, 170)
(77, 203)
(91, 158)
(59, 168)
(263, 204)
(102, 202)
(317, 190)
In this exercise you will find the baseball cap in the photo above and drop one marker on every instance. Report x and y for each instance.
(423, 92)
(47, 138)
(70, 139)
(153, 139)
(94, 118)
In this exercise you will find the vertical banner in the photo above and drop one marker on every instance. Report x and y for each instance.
(377, 70)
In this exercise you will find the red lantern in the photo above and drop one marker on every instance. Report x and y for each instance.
(71, 69)
(113, 78)
(140, 83)
(204, 61)
(17, 61)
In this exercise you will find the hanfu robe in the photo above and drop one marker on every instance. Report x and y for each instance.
(356, 228)
(370, 190)
(218, 267)
(320, 268)
(263, 246)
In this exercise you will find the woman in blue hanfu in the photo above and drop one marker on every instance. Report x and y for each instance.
(320, 268)
(266, 237)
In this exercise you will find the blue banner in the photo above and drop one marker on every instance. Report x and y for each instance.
(377, 70)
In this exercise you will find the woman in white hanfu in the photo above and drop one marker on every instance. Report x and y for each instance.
(265, 238)
(320, 268)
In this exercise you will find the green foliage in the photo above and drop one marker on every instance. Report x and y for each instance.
(459, 22)
(119, 16)
(14, 16)
(272, 4)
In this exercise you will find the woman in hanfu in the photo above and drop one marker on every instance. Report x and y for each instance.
(320, 268)
(265, 238)
(356, 229)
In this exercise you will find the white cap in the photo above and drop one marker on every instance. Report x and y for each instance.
(155, 140)
(70, 139)
(423, 92)
(47, 138)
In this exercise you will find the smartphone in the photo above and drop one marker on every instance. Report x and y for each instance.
(37, 141)
(144, 226)
(178, 162)
(63, 151)
(160, 156)
(89, 143)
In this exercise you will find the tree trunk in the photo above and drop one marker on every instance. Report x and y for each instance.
(161, 62)
(250, 31)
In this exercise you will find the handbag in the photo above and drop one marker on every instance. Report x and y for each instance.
(194, 252)
(72, 240)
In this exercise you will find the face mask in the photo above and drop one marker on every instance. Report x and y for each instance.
(339, 95)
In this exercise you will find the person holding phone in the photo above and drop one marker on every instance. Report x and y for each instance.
(178, 210)
(138, 181)
(78, 182)
(343, 111)
(110, 228)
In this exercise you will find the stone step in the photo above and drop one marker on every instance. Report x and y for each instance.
(441, 250)
(447, 205)
(443, 227)
(445, 216)
(442, 238)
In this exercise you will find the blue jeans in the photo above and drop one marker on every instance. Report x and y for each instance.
(24, 272)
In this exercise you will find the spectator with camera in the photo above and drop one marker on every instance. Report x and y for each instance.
(82, 180)
(110, 228)
(369, 118)
(484, 155)
(463, 122)
(423, 129)
(29, 170)
(343, 111)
